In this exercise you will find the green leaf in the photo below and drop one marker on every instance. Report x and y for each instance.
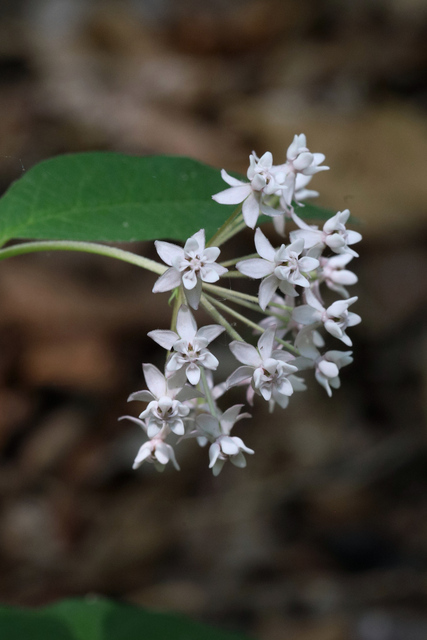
(101, 619)
(111, 197)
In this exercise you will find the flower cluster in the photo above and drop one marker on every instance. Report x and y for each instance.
(295, 324)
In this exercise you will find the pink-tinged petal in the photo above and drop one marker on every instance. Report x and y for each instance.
(142, 455)
(177, 426)
(295, 247)
(263, 246)
(265, 392)
(168, 252)
(193, 295)
(162, 453)
(242, 374)
(266, 342)
(188, 393)
(214, 451)
(267, 290)
(282, 400)
(258, 182)
(153, 430)
(313, 301)
(155, 380)
(305, 314)
(186, 324)
(228, 446)
(210, 332)
(174, 363)
(344, 276)
(170, 279)
(199, 237)
(211, 254)
(353, 237)
(234, 195)
(193, 373)
(245, 353)
(230, 416)
(255, 267)
(189, 279)
(285, 388)
(164, 338)
(250, 210)
(310, 237)
(141, 396)
(303, 161)
(233, 182)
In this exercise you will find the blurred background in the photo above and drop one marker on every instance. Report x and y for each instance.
(324, 536)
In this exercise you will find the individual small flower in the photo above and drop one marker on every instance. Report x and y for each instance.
(190, 265)
(165, 409)
(333, 235)
(155, 450)
(300, 194)
(217, 431)
(266, 369)
(189, 345)
(284, 268)
(334, 275)
(336, 318)
(263, 183)
(326, 367)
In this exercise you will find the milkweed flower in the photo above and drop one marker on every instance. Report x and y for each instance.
(191, 265)
(266, 369)
(333, 235)
(224, 447)
(264, 182)
(284, 268)
(189, 345)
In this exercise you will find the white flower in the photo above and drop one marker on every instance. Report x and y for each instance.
(265, 368)
(155, 450)
(334, 275)
(263, 183)
(283, 267)
(223, 447)
(165, 410)
(327, 367)
(192, 264)
(189, 345)
(336, 318)
(334, 234)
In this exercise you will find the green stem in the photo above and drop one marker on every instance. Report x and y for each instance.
(87, 247)
(218, 317)
(230, 263)
(216, 238)
(207, 392)
(289, 347)
(229, 294)
(234, 274)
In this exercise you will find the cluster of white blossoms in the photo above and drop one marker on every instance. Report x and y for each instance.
(293, 332)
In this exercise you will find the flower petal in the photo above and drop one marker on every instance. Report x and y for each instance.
(245, 353)
(263, 246)
(186, 324)
(170, 279)
(155, 380)
(255, 267)
(234, 195)
(168, 252)
(267, 289)
(164, 338)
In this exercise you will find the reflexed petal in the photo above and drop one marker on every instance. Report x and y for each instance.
(155, 380)
(214, 451)
(143, 396)
(193, 295)
(305, 314)
(170, 279)
(353, 237)
(265, 343)
(186, 324)
(143, 454)
(245, 353)
(234, 195)
(209, 425)
(263, 246)
(161, 453)
(168, 252)
(210, 332)
(255, 267)
(353, 319)
(177, 426)
(265, 391)
(164, 337)
(266, 291)
(238, 460)
(242, 374)
(250, 210)
(229, 417)
(209, 361)
(233, 182)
